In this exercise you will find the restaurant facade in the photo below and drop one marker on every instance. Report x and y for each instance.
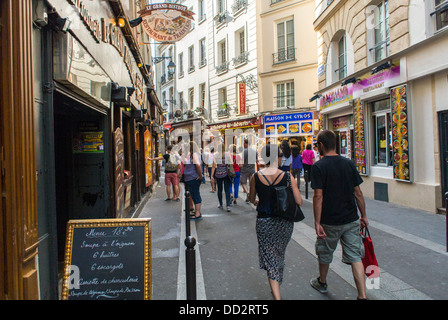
(91, 115)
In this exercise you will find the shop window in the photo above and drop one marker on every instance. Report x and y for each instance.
(382, 133)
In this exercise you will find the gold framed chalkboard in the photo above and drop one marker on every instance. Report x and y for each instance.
(107, 259)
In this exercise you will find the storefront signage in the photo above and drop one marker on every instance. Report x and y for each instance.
(241, 98)
(400, 133)
(167, 22)
(253, 122)
(108, 259)
(108, 32)
(294, 124)
(359, 138)
(382, 79)
(336, 96)
(148, 152)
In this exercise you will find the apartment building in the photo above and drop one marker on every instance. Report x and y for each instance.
(287, 68)
(382, 84)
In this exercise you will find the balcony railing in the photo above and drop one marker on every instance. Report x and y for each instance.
(223, 112)
(220, 18)
(181, 74)
(239, 5)
(275, 1)
(170, 76)
(203, 62)
(285, 101)
(190, 69)
(242, 58)
(284, 55)
(223, 67)
(163, 79)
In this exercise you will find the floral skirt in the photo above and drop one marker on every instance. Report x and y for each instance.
(273, 236)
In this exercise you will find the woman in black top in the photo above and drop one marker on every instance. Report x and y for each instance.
(273, 233)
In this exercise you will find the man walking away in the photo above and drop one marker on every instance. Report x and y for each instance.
(248, 169)
(172, 169)
(337, 196)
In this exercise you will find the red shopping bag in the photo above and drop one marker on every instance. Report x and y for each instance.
(369, 261)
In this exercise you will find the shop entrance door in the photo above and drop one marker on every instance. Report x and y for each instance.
(82, 190)
(443, 131)
(342, 143)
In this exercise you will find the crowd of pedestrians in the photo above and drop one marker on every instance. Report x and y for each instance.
(336, 201)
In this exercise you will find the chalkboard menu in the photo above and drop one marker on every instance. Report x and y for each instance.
(108, 259)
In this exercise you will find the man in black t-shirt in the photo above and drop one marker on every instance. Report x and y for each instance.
(337, 196)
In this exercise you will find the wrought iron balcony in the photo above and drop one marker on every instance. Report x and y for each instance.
(242, 58)
(284, 55)
(220, 18)
(202, 63)
(190, 69)
(223, 112)
(163, 79)
(239, 5)
(223, 67)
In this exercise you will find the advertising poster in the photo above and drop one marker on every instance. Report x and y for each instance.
(400, 133)
(291, 124)
(242, 98)
(88, 142)
(148, 164)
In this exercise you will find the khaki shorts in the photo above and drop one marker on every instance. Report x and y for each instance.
(351, 241)
(245, 177)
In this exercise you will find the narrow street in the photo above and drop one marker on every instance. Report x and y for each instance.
(409, 245)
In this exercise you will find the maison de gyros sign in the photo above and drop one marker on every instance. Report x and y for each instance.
(166, 22)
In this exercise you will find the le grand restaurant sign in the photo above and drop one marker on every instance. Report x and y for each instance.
(166, 21)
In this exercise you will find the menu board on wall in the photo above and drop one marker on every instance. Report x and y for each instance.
(400, 133)
(359, 138)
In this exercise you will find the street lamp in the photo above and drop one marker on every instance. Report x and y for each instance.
(171, 67)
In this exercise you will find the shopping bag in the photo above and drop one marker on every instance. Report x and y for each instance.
(369, 261)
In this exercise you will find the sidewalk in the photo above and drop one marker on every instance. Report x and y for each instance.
(409, 244)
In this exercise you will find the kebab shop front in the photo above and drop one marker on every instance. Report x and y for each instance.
(297, 128)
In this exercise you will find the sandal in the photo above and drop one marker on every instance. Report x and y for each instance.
(196, 218)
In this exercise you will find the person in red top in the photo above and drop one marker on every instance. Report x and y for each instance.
(236, 160)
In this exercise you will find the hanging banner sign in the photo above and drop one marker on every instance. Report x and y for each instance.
(166, 22)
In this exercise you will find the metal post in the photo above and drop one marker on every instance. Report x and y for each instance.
(190, 254)
(306, 183)
(446, 219)
(190, 264)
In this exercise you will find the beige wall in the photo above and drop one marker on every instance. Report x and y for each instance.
(303, 70)
(350, 15)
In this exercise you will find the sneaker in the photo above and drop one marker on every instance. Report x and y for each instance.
(228, 209)
(219, 207)
(319, 286)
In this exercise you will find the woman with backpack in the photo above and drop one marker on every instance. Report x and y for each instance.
(273, 233)
(220, 177)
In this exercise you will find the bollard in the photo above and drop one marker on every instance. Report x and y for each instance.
(190, 254)
(187, 213)
(306, 184)
(190, 264)
(446, 219)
